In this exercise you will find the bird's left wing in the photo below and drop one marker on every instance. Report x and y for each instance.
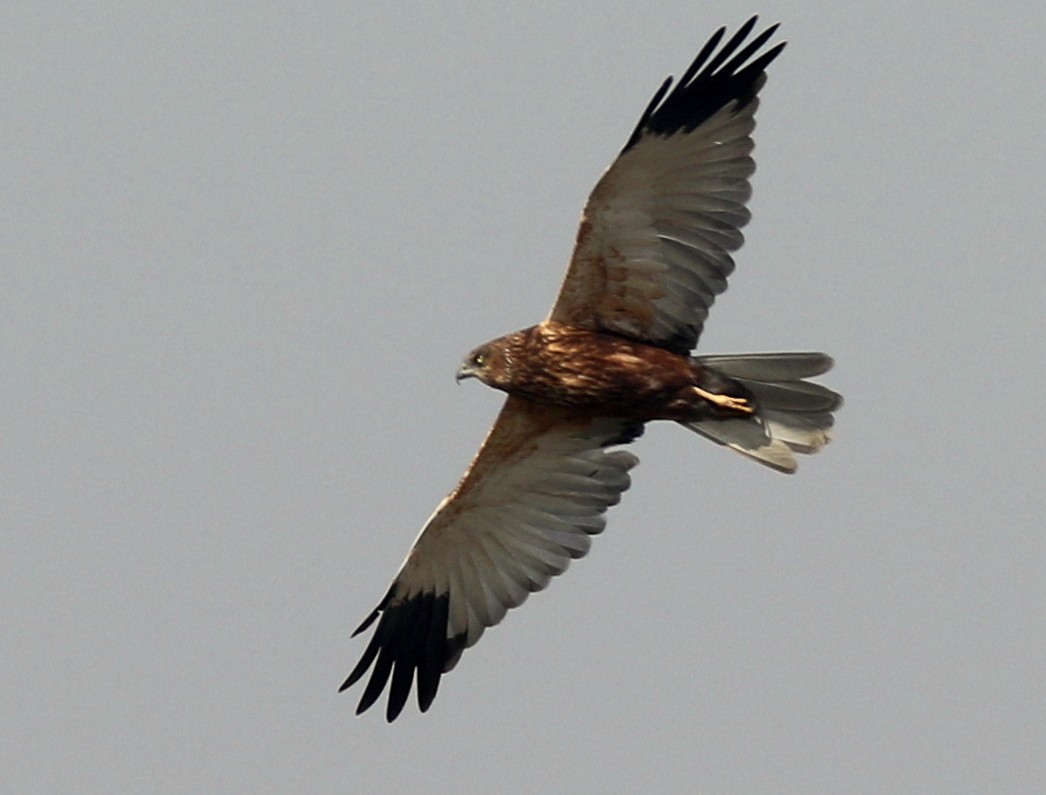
(653, 249)
(536, 491)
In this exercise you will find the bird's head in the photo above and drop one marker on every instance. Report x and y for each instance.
(489, 363)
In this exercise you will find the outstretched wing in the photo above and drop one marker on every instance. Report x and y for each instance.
(536, 491)
(653, 250)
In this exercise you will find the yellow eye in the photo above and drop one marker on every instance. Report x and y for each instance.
(478, 359)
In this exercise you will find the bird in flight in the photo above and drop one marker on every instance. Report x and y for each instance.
(652, 253)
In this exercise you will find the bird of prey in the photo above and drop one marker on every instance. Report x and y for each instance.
(652, 253)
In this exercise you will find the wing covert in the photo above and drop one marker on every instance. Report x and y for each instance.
(654, 246)
(534, 495)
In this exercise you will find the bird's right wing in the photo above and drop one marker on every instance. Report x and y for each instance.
(535, 493)
(654, 247)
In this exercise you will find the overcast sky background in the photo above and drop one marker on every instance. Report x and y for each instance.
(242, 250)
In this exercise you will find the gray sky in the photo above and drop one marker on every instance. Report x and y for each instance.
(242, 252)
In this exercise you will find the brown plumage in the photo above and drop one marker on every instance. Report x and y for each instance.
(652, 253)
(604, 374)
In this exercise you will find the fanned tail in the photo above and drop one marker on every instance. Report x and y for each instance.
(793, 415)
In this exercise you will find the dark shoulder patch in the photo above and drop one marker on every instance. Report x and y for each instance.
(713, 80)
(629, 433)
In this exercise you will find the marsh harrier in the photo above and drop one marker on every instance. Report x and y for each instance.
(653, 252)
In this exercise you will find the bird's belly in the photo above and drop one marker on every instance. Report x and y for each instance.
(611, 377)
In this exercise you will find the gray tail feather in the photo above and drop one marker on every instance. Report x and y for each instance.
(795, 416)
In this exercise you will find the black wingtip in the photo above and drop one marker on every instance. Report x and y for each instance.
(717, 76)
(408, 644)
(366, 622)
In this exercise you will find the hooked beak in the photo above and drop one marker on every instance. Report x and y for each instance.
(465, 371)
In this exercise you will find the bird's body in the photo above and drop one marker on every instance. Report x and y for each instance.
(616, 351)
(604, 374)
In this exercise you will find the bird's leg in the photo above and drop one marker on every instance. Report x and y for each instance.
(726, 401)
